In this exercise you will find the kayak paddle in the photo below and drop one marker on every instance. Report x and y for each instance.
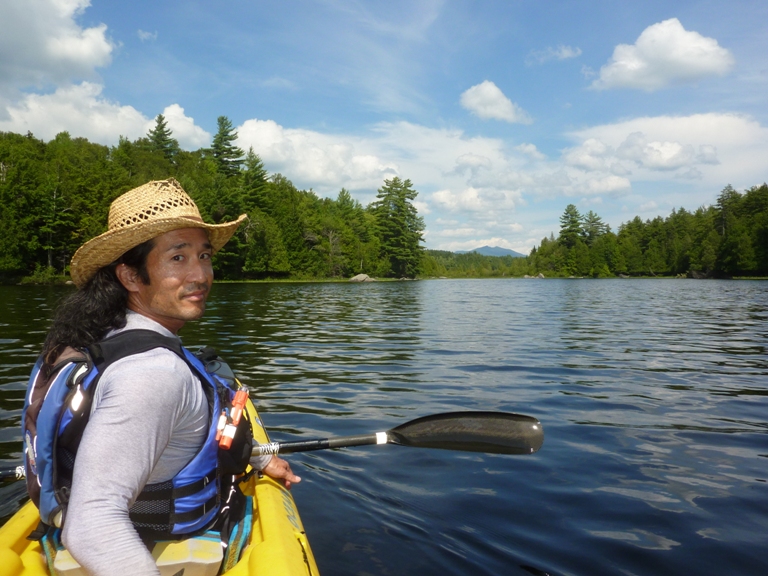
(490, 432)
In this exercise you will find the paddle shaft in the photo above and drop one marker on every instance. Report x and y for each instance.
(320, 444)
(15, 473)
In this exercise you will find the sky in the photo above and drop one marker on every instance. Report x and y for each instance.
(500, 113)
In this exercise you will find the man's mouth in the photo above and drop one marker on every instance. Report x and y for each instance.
(195, 295)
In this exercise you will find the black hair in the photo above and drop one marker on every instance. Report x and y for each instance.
(87, 315)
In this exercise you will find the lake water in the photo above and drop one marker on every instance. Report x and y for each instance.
(653, 395)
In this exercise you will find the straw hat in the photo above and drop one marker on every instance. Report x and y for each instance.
(139, 215)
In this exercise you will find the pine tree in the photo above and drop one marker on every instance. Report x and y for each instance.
(593, 227)
(570, 226)
(254, 182)
(228, 156)
(400, 227)
(161, 139)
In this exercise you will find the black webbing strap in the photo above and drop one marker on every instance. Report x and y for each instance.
(166, 491)
(169, 519)
(128, 343)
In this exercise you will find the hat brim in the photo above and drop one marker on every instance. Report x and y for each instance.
(108, 247)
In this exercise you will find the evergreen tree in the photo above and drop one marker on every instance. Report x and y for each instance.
(593, 227)
(570, 226)
(161, 139)
(756, 207)
(630, 245)
(254, 182)
(400, 227)
(228, 156)
(727, 203)
(265, 252)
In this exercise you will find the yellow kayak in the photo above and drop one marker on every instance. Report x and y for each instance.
(278, 545)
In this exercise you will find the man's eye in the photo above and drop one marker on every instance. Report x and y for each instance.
(205, 256)
(178, 258)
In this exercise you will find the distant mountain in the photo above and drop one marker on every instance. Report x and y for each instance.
(493, 251)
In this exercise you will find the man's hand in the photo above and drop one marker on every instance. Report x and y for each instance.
(279, 469)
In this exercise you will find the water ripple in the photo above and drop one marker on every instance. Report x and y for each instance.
(652, 394)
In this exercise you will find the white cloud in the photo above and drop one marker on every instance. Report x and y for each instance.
(472, 199)
(82, 110)
(530, 150)
(433, 159)
(690, 174)
(470, 179)
(604, 184)
(473, 161)
(550, 53)
(718, 148)
(189, 135)
(487, 101)
(664, 54)
(79, 109)
(144, 35)
(278, 83)
(422, 207)
(472, 164)
(41, 43)
(656, 155)
(707, 154)
(467, 199)
(321, 160)
(460, 232)
(592, 154)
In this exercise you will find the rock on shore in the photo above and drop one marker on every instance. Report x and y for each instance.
(362, 278)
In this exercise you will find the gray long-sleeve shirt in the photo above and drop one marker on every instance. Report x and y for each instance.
(148, 420)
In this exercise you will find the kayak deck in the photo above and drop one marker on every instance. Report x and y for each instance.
(278, 544)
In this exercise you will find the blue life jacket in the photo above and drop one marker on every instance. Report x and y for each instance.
(57, 409)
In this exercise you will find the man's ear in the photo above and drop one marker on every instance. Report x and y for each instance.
(128, 277)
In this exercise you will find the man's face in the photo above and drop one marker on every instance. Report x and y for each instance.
(180, 276)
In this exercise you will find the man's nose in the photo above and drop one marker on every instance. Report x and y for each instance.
(200, 271)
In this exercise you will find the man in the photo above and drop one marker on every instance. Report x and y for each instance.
(151, 270)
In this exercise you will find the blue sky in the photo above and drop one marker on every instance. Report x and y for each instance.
(501, 113)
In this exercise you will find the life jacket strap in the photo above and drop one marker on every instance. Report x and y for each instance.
(165, 490)
(168, 519)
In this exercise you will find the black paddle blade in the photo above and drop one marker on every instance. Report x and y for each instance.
(490, 432)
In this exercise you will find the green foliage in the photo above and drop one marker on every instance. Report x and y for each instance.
(440, 263)
(399, 228)
(570, 226)
(56, 195)
(161, 139)
(44, 275)
(593, 227)
(228, 156)
(728, 239)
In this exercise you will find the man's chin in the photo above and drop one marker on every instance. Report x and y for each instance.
(194, 312)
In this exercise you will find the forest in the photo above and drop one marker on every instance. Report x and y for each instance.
(55, 195)
(725, 240)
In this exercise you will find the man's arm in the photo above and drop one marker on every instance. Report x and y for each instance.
(139, 407)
